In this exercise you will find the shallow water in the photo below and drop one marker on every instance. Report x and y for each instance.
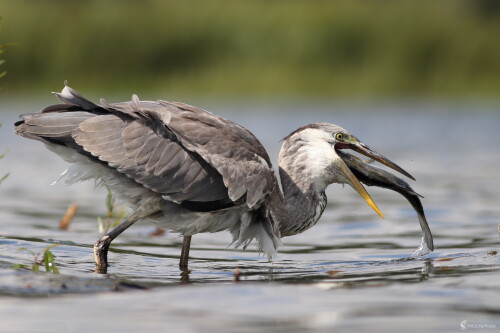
(353, 271)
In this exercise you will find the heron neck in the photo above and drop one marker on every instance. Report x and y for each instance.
(300, 206)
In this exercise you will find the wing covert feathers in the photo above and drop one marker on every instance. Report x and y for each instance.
(181, 151)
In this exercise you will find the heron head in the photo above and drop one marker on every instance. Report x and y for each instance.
(322, 147)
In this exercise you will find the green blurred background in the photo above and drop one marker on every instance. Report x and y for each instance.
(271, 49)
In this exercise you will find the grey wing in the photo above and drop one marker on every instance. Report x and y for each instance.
(157, 162)
(176, 149)
(231, 149)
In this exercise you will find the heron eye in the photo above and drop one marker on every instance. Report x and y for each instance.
(339, 136)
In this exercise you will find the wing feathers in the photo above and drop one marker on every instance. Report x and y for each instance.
(143, 152)
(42, 126)
(170, 147)
(132, 147)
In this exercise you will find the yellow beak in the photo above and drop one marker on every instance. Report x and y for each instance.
(354, 182)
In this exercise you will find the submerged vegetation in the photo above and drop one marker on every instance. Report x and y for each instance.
(277, 48)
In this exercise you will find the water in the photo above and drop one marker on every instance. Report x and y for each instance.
(351, 272)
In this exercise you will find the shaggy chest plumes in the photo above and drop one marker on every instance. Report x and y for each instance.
(306, 169)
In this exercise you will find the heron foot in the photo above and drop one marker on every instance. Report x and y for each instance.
(101, 254)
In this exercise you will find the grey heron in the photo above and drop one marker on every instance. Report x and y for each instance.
(193, 172)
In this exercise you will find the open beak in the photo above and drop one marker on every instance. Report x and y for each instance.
(368, 152)
(361, 148)
(354, 182)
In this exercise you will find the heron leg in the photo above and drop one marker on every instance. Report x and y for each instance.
(102, 245)
(186, 245)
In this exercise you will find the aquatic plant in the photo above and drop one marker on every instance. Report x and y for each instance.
(113, 216)
(68, 217)
(47, 260)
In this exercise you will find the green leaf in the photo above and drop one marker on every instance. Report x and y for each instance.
(54, 269)
(48, 260)
(109, 203)
(123, 214)
(50, 247)
(24, 249)
(4, 177)
(19, 266)
(101, 225)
